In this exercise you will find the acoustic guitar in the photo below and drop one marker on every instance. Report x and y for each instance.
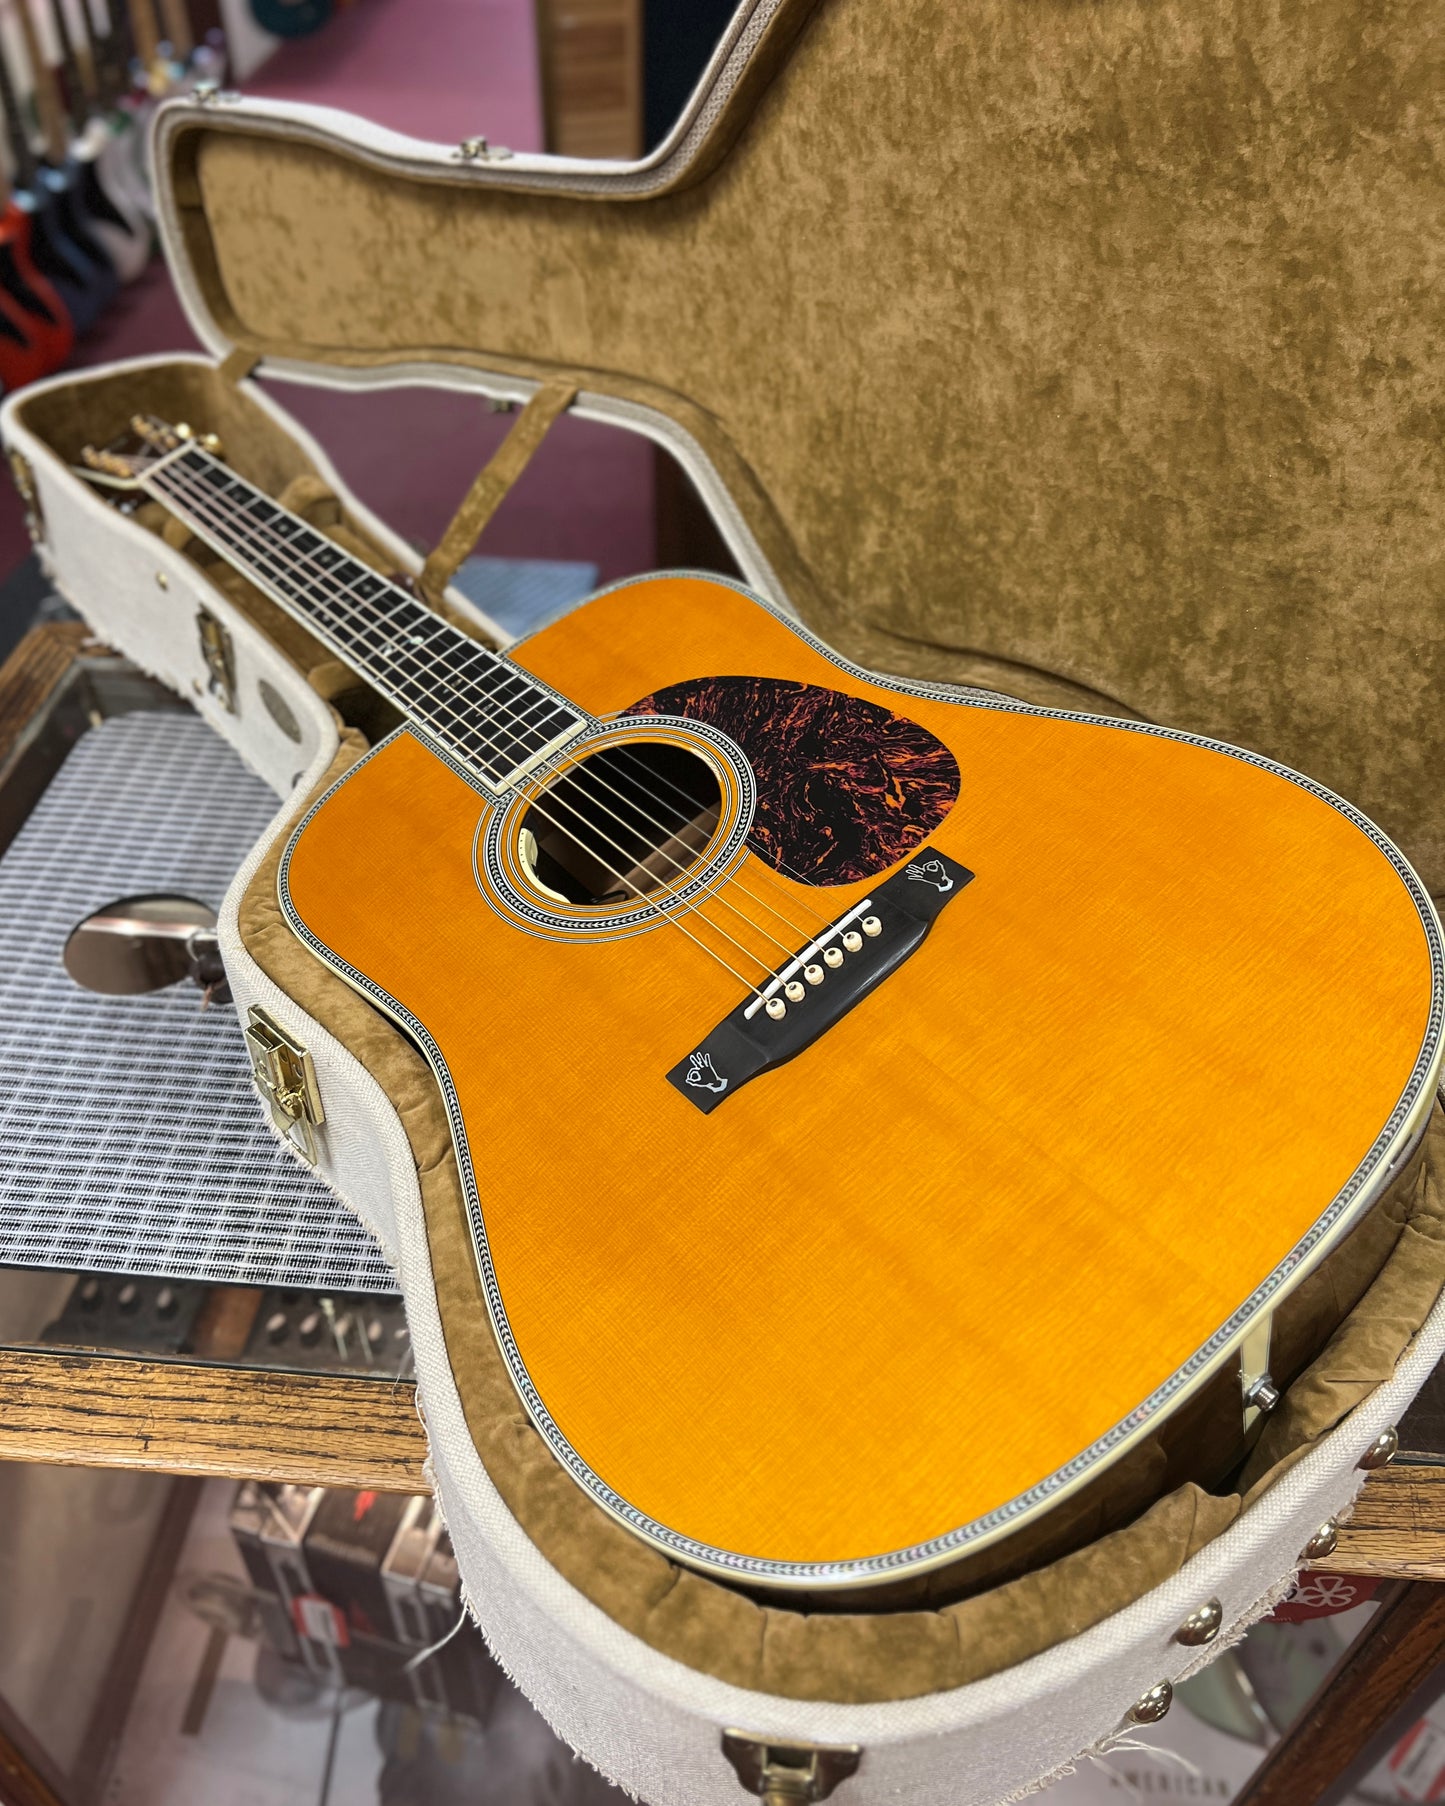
(117, 222)
(879, 1104)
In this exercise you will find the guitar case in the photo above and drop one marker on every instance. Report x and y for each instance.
(1084, 353)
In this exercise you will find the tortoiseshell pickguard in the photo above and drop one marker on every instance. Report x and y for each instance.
(845, 788)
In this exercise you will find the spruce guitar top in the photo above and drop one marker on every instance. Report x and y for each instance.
(879, 1104)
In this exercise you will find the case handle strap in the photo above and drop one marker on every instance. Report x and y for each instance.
(496, 477)
(238, 363)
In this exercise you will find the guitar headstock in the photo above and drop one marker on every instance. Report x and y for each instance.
(128, 460)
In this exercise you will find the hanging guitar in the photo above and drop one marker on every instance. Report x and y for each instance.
(116, 221)
(60, 176)
(43, 319)
(72, 275)
(879, 1105)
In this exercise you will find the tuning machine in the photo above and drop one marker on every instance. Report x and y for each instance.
(161, 437)
(107, 463)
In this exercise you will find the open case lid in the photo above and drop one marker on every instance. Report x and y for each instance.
(1091, 352)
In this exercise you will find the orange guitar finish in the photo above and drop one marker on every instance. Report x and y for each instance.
(895, 1284)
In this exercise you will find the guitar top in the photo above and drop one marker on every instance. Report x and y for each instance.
(879, 1105)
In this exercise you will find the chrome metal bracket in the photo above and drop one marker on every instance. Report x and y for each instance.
(220, 659)
(784, 1774)
(1259, 1392)
(286, 1079)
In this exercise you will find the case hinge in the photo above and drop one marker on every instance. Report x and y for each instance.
(286, 1079)
(477, 150)
(783, 1774)
(220, 659)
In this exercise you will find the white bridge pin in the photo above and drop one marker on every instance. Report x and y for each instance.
(793, 991)
(813, 974)
(852, 940)
(872, 926)
(776, 1008)
(833, 956)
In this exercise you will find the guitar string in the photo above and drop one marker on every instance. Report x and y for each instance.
(422, 679)
(247, 528)
(782, 864)
(557, 799)
(208, 519)
(498, 661)
(196, 492)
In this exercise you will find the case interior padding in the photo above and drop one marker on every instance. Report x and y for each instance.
(1095, 341)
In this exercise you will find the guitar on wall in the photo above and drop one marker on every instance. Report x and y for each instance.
(92, 282)
(950, 1086)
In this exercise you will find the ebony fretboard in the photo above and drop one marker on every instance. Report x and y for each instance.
(496, 717)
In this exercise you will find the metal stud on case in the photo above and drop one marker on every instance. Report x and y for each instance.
(1324, 1542)
(1153, 1706)
(1381, 1451)
(1201, 1626)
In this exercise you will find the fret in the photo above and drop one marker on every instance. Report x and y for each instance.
(497, 717)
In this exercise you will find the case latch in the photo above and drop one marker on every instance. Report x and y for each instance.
(782, 1774)
(286, 1079)
(219, 657)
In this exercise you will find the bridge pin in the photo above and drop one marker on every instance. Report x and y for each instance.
(793, 991)
(833, 956)
(852, 940)
(872, 926)
(813, 974)
(776, 1008)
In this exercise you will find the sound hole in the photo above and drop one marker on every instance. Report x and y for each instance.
(620, 823)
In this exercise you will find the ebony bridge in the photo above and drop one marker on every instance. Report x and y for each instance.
(828, 978)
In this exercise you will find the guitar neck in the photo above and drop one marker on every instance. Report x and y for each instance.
(47, 89)
(476, 705)
(79, 83)
(21, 150)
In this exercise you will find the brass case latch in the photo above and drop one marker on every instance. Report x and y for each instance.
(286, 1079)
(220, 659)
(784, 1774)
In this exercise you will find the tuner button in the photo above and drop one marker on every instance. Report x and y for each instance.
(776, 1008)
(872, 926)
(852, 940)
(833, 956)
(793, 991)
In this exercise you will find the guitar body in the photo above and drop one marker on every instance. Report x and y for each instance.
(59, 259)
(46, 321)
(1153, 1058)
